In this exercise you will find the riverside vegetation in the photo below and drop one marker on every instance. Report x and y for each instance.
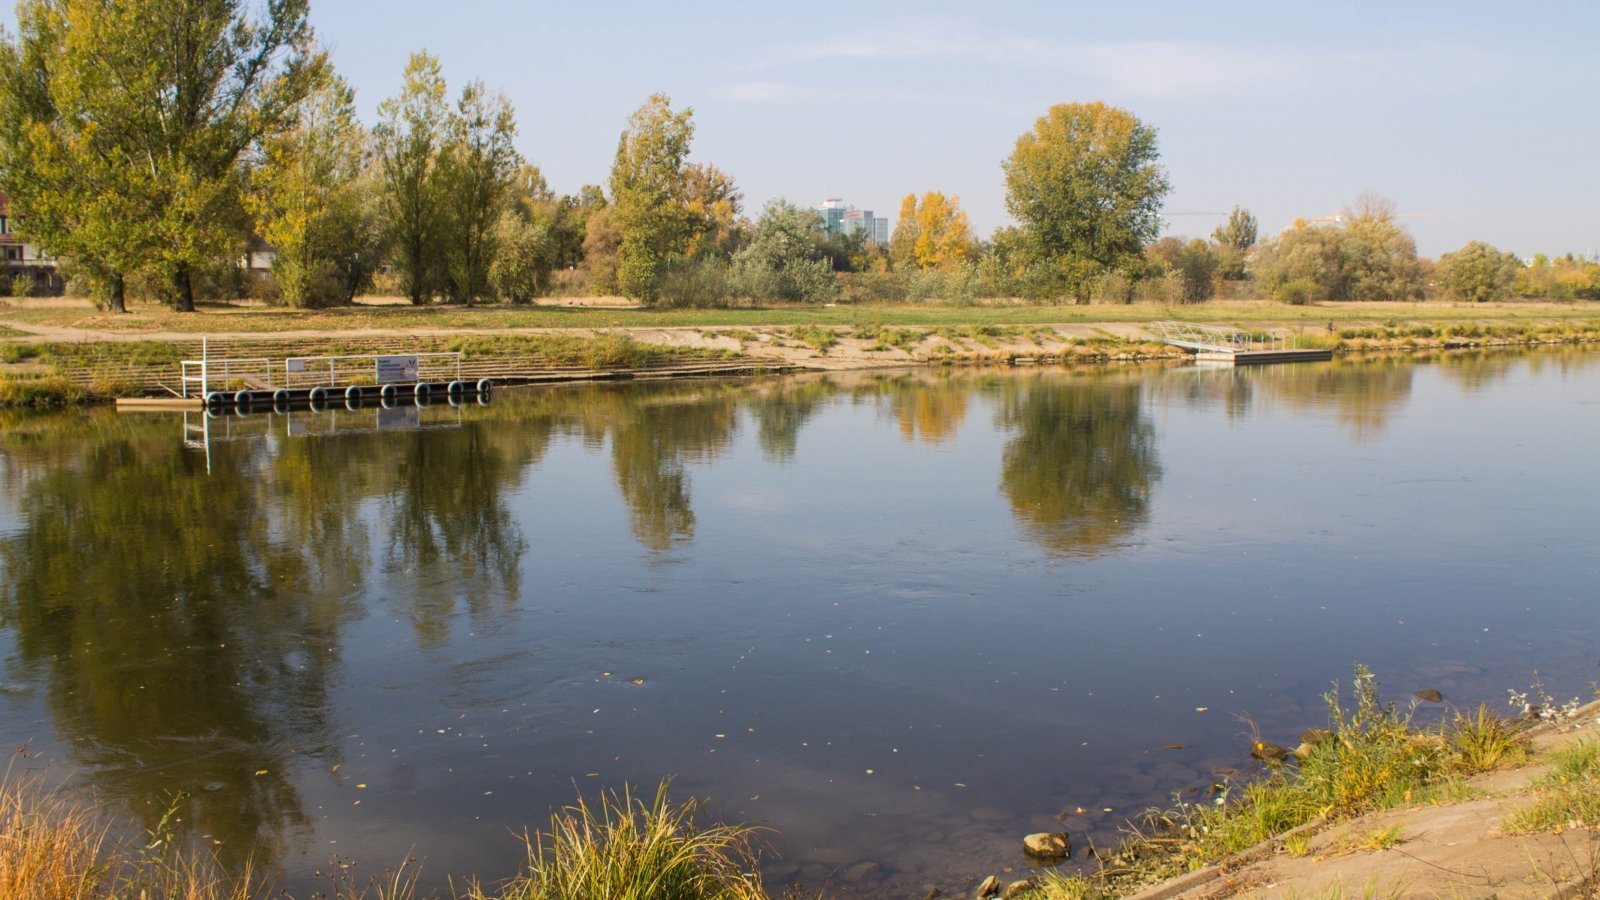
(434, 200)
(1373, 755)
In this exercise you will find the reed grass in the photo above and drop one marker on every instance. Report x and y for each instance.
(627, 849)
(54, 848)
(38, 392)
(1567, 797)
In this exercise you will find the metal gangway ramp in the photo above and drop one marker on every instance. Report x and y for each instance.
(1219, 343)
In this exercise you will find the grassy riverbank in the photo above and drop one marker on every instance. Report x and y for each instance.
(63, 352)
(1372, 756)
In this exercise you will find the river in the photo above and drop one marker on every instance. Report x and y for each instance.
(900, 618)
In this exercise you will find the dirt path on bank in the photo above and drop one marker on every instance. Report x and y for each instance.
(1453, 849)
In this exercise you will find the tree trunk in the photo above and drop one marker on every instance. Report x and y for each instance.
(117, 300)
(184, 286)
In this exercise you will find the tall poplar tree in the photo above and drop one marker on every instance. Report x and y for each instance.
(413, 128)
(307, 199)
(648, 186)
(475, 171)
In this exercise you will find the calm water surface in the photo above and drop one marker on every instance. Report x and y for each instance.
(903, 619)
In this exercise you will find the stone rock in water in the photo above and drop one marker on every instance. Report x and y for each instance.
(1309, 739)
(1266, 751)
(1430, 695)
(1015, 889)
(989, 888)
(1047, 845)
(1314, 736)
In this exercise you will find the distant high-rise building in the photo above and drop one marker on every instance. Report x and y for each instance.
(839, 217)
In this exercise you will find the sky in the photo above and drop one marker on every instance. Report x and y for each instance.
(1475, 118)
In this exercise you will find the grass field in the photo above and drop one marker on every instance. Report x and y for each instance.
(220, 318)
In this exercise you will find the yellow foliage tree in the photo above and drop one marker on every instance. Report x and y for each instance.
(932, 233)
(944, 239)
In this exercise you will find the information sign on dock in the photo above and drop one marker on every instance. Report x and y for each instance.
(397, 368)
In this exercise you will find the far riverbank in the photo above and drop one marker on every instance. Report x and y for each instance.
(64, 352)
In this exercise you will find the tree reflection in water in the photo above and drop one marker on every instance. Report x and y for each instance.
(1081, 467)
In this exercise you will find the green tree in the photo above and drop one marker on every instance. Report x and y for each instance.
(410, 134)
(1234, 240)
(526, 242)
(306, 198)
(154, 107)
(784, 260)
(1239, 232)
(475, 176)
(1086, 187)
(1380, 258)
(1191, 261)
(602, 238)
(1304, 259)
(570, 223)
(1478, 273)
(648, 186)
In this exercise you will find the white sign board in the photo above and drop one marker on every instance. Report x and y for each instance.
(397, 368)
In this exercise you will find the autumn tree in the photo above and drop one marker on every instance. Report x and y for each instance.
(411, 133)
(1478, 273)
(1086, 187)
(647, 191)
(173, 97)
(474, 174)
(937, 237)
(714, 205)
(310, 201)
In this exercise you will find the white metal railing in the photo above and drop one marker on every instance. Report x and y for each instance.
(1218, 338)
(370, 368)
(228, 374)
(199, 377)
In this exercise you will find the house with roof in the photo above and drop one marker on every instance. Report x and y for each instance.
(18, 257)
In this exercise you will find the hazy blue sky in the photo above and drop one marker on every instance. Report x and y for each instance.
(1480, 114)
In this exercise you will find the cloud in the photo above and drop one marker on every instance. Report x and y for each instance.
(1159, 69)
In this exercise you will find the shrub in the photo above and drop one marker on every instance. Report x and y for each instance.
(22, 285)
(1112, 287)
(694, 282)
(1296, 292)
